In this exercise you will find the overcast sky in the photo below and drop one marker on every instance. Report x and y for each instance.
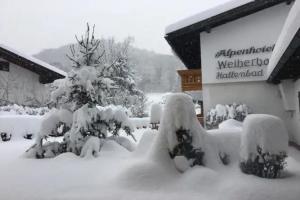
(33, 25)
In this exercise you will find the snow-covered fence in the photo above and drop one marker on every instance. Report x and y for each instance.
(264, 146)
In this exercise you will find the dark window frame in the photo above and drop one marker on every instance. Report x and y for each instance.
(4, 66)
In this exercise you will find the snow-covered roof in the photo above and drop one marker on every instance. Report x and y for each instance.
(205, 15)
(34, 60)
(289, 30)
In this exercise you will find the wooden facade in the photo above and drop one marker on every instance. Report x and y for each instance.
(191, 79)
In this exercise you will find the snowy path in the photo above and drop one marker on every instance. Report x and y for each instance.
(118, 174)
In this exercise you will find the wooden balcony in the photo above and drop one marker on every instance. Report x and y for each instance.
(190, 79)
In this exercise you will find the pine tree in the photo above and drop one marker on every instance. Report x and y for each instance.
(126, 92)
(85, 87)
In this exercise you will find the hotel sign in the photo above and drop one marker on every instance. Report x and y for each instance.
(242, 63)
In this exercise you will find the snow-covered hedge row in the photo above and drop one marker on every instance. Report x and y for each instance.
(22, 110)
(264, 145)
(223, 112)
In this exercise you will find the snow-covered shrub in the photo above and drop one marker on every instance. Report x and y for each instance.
(5, 136)
(182, 132)
(28, 136)
(15, 109)
(155, 115)
(223, 112)
(264, 146)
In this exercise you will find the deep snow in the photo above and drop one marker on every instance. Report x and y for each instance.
(118, 174)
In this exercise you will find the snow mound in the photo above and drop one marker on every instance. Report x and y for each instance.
(111, 146)
(146, 174)
(145, 142)
(66, 156)
(19, 125)
(266, 131)
(181, 163)
(155, 114)
(124, 142)
(231, 124)
(224, 142)
(91, 147)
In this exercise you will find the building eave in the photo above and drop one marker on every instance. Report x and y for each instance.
(47, 73)
(185, 40)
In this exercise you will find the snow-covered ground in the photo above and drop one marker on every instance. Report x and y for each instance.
(119, 174)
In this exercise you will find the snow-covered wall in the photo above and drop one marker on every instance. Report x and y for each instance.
(21, 86)
(245, 45)
(293, 120)
(240, 50)
(260, 96)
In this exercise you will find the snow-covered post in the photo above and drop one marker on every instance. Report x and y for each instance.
(264, 146)
(183, 132)
(155, 115)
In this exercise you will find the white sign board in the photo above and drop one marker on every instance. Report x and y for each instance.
(242, 63)
(240, 50)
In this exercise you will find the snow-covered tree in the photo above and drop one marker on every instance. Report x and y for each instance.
(125, 92)
(85, 87)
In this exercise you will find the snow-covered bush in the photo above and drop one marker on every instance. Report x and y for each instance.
(181, 132)
(264, 146)
(223, 112)
(28, 136)
(5, 136)
(155, 115)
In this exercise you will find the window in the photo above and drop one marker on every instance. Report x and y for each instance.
(299, 100)
(4, 66)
